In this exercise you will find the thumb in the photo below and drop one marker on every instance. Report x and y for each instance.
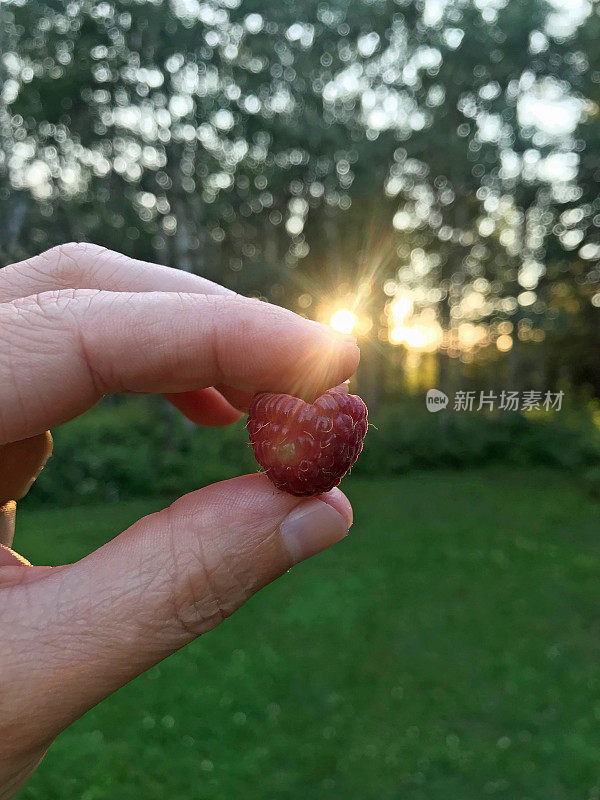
(166, 580)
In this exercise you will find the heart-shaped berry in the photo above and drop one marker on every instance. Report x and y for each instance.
(307, 448)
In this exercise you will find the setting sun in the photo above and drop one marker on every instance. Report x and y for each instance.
(343, 320)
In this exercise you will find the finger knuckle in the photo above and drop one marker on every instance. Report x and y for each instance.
(205, 589)
(49, 320)
(48, 305)
(66, 263)
(198, 605)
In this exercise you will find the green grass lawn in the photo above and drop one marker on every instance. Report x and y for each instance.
(449, 649)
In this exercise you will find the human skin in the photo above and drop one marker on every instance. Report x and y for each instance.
(79, 322)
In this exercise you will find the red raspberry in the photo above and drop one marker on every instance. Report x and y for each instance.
(307, 449)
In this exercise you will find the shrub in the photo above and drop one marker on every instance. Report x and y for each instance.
(591, 480)
(408, 437)
(138, 445)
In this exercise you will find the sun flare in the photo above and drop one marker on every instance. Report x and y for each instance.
(343, 320)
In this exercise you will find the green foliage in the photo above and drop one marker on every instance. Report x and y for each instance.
(408, 438)
(141, 446)
(448, 649)
(592, 481)
(136, 448)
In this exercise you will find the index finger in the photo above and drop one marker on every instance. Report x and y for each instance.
(63, 350)
(81, 265)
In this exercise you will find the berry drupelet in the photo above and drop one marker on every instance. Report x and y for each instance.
(307, 448)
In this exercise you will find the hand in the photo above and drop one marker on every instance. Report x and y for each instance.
(76, 323)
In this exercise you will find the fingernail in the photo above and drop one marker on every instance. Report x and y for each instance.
(311, 527)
